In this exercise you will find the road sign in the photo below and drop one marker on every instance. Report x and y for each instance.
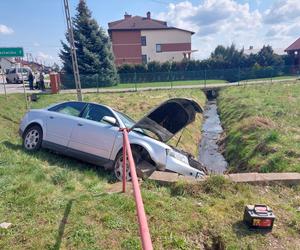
(11, 52)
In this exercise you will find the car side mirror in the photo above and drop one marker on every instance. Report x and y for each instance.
(110, 120)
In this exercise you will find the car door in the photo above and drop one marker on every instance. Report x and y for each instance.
(60, 121)
(92, 135)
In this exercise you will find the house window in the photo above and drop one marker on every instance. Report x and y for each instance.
(143, 41)
(158, 47)
(144, 59)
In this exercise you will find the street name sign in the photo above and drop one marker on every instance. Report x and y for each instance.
(11, 52)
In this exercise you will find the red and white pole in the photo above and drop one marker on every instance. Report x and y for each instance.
(124, 163)
(143, 224)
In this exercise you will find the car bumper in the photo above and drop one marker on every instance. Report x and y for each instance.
(183, 168)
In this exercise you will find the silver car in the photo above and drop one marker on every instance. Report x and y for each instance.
(91, 132)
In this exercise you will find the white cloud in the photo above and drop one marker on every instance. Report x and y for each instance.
(36, 44)
(47, 58)
(5, 30)
(282, 11)
(224, 21)
(283, 20)
(44, 56)
(228, 21)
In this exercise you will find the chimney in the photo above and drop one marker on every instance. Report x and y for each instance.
(126, 15)
(251, 47)
(148, 15)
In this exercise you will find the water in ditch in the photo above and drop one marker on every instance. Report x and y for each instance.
(209, 152)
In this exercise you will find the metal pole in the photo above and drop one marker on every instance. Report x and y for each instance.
(135, 82)
(205, 78)
(4, 85)
(22, 79)
(73, 51)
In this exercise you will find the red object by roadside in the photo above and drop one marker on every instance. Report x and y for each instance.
(54, 82)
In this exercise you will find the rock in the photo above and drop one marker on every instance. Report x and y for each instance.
(199, 204)
(5, 225)
(298, 209)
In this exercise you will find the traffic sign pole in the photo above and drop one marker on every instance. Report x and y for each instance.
(4, 85)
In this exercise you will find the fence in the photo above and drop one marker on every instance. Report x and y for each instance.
(178, 78)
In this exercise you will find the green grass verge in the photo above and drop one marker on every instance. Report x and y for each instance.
(271, 78)
(262, 125)
(55, 202)
(163, 84)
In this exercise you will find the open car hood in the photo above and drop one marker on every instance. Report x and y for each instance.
(169, 117)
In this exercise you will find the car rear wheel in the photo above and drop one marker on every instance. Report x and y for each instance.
(118, 165)
(32, 139)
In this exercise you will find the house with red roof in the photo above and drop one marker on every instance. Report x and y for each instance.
(294, 50)
(137, 39)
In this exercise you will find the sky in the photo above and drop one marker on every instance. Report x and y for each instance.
(39, 25)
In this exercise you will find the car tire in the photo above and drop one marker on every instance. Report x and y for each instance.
(32, 138)
(118, 165)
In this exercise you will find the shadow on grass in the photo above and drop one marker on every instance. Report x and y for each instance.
(8, 119)
(62, 161)
(63, 222)
(241, 230)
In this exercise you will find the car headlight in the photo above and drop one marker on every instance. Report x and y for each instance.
(178, 156)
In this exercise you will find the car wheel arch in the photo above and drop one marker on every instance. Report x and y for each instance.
(30, 126)
(139, 148)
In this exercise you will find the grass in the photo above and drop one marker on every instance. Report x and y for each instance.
(262, 125)
(273, 78)
(55, 202)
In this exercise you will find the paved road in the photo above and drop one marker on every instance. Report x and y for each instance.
(18, 88)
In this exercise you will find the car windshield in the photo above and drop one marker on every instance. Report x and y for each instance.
(128, 122)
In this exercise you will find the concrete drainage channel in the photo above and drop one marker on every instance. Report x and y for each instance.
(209, 153)
(211, 157)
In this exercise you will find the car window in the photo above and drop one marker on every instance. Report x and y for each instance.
(12, 71)
(69, 108)
(96, 112)
(128, 122)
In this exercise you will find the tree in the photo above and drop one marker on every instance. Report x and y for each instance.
(93, 48)
(267, 57)
(228, 57)
(55, 67)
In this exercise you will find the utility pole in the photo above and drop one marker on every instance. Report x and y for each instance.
(73, 50)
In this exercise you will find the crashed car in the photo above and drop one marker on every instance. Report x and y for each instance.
(91, 132)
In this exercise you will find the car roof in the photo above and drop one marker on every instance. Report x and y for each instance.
(81, 102)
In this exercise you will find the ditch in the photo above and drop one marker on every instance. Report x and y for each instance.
(209, 150)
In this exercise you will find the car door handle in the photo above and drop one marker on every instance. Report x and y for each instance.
(80, 124)
(51, 117)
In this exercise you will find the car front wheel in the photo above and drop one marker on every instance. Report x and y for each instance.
(33, 137)
(118, 165)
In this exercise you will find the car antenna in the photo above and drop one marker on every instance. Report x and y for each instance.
(179, 138)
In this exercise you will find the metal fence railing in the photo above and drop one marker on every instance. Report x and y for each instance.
(179, 78)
